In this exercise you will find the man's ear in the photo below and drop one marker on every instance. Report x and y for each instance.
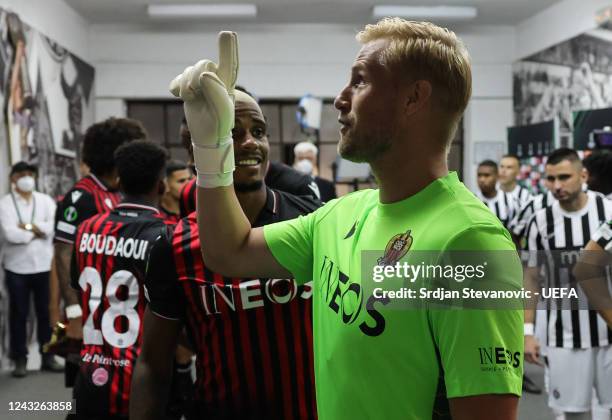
(161, 187)
(418, 95)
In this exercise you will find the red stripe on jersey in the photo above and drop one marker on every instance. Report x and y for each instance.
(247, 358)
(234, 394)
(279, 323)
(266, 359)
(217, 356)
(188, 198)
(300, 362)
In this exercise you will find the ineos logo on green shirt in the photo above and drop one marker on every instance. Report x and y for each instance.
(71, 214)
(492, 356)
(346, 299)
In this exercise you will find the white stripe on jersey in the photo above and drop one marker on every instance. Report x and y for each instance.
(554, 229)
(520, 195)
(521, 218)
(502, 205)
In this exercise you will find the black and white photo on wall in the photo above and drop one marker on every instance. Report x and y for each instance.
(47, 95)
(571, 76)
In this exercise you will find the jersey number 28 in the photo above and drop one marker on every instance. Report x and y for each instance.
(126, 308)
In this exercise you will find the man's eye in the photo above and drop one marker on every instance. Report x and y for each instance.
(357, 82)
(258, 133)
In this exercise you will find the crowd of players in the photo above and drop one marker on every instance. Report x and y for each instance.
(572, 213)
(140, 300)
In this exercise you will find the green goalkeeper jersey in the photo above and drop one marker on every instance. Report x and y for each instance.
(374, 361)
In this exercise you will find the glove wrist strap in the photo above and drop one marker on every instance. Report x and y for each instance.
(215, 159)
(214, 180)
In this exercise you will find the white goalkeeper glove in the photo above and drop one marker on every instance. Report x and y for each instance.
(207, 91)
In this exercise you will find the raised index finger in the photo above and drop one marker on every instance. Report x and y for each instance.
(228, 59)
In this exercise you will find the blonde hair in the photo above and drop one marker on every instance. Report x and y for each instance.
(426, 51)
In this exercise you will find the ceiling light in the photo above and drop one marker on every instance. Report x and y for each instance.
(202, 10)
(426, 12)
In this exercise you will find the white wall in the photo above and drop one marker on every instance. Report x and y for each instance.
(561, 21)
(287, 61)
(55, 19)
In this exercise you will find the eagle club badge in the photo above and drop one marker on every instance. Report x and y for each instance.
(396, 248)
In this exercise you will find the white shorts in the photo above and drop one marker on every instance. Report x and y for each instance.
(573, 374)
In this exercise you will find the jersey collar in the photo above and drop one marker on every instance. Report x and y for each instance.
(98, 182)
(126, 205)
(268, 214)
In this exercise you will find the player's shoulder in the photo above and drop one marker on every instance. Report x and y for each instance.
(138, 220)
(457, 205)
(188, 188)
(302, 204)
(94, 222)
(349, 206)
(86, 184)
(81, 193)
(540, 216)
(607, 202)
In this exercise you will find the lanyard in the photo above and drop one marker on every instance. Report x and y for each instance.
(19, 213)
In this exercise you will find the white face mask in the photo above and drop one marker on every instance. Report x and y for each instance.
(26, 183)
(304, 166)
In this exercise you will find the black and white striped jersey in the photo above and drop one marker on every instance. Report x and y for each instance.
(521, 218)
(603, 236)
(521, 196)
(561, 235)
(502, 206)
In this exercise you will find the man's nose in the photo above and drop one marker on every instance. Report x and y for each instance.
(249, 141)
(342, 102)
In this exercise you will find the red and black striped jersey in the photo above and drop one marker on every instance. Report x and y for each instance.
(88, 197)
(171, 219)
(108, 268)
(187, 201)
(252, 337)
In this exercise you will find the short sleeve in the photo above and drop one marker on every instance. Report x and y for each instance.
(603, 236)
(162, 289)
(70, 213)
(291, 243)
(533, 243)
(481, 350)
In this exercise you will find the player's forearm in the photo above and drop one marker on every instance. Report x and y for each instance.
(63, 253)
(480, 407)
(149, 393)
(153, 373)
(223, 227)
(54, 297)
